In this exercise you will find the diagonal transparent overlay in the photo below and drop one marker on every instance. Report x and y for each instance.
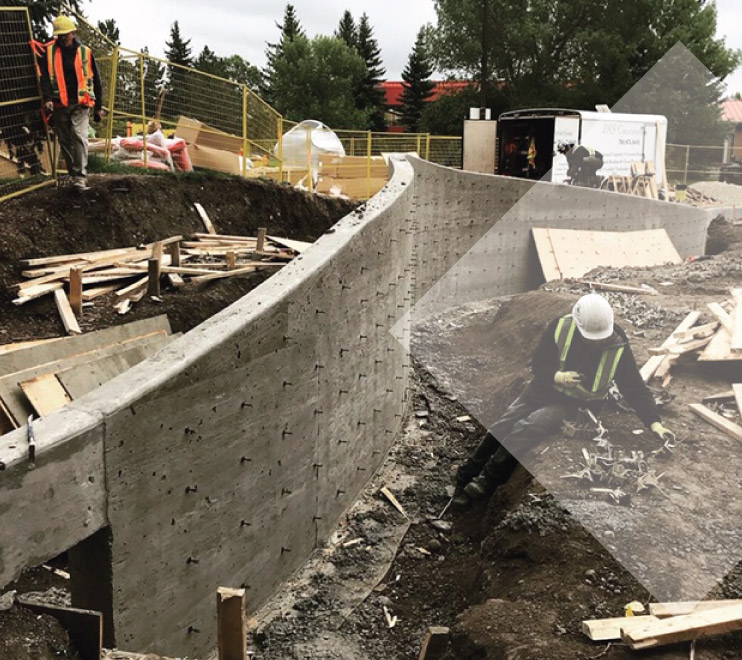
(679, 544)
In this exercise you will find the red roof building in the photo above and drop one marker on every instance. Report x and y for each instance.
(393, 90)
(731, 111)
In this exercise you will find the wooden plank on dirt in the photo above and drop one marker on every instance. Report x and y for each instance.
(699, 332)
(722, 315)
(576, 252)
(221, 275)
(736, 344)
(205, 218)
(682, 608)
(651, 366)
(231, 624)
(719, 349)
(96, 292)
(71, 326)
(435, 643)
(721, 396)
(9, 348)
(605, 286)
(133, 288)
(602, 630)
(722, 423)
(226, 238)
(35, 292)
(296, 246)
(685, 628)
(85, 627)
(45, 393)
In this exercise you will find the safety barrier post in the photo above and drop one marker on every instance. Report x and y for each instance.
(144, 110)
(112, 101)
(419, 145)
(280, 149)
(427, 147)
(244, 131)
(309, 161)
(352, 146)
(368, 166)
(687, 164)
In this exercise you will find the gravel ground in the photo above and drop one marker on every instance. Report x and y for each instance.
(726, 193)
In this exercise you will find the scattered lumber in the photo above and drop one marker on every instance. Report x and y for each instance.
(681, 608)
(602, 630)
(699, 332)
(121, 271)
(684, 628)
(651, 366)
(722, 423)
(605, 286)
(721, 396)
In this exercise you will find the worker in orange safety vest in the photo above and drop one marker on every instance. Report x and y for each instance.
(71, 87)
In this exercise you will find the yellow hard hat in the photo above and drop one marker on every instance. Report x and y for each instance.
(63, 25)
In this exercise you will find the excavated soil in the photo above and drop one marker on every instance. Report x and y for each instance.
(124, 211)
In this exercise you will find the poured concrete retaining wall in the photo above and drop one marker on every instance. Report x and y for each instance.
(225, 459)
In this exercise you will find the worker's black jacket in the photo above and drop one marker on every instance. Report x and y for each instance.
(584, 359)
(70, 76)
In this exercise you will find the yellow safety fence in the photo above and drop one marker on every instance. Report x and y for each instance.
(231, 129)
(25, 162)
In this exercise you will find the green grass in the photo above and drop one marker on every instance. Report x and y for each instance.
(98, 165)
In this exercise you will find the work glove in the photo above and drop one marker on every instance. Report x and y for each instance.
(49, 106)
(664, 434)
(568, 379)
(97, 116)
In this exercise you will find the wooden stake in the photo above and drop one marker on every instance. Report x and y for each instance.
(157, 251)
(174, 251)
(76, 291)
(261, 239)
(154, 271)
(205, 218)
(230, 260)
(231, 624)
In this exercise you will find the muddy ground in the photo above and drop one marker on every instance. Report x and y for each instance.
(515, 577)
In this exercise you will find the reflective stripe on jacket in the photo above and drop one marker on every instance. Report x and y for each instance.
(605, 373)
(83, 69)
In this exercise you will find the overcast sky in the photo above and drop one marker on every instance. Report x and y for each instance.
(243, 26)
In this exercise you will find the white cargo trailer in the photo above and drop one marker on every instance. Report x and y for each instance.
(528, 142)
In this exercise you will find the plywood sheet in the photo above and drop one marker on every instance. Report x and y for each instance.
(573, 253)
(719, 349)
(45, 393)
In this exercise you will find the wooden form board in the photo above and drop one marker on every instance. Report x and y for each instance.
(721, 423)
(681, 608)
(50, 352)
(45, 393)
(601, 630)
(231, 624)
(573, 253)
(14, 398)
(685, 628)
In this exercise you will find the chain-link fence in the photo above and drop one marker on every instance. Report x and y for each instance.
(166, 116)
(25, 161)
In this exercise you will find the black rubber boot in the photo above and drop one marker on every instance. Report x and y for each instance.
(461, 500)
(479, 488)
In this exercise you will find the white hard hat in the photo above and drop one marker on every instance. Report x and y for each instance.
(594, 317)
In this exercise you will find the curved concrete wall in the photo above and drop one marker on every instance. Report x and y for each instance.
(227, 457)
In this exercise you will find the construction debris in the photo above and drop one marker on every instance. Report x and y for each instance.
(130, 273)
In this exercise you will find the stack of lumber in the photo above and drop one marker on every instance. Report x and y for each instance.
(131, 272)
(669, 623)
(642, 182)
(717, 341)
(38, 378)
(352, 176)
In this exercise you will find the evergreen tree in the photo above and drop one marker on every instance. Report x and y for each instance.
(208, 62)
(369, 96)
(43, 12)
(178, 51)
(347, 30)
(109, 29)
(418, 87)
(290, 30)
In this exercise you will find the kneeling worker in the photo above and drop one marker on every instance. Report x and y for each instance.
(575, 363)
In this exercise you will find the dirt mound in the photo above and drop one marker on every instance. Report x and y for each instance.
(26, 636)
(121, 211)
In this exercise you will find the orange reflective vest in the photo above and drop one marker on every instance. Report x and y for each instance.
(39, 52)
(83, 68)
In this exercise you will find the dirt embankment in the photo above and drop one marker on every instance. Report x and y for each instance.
(123, 211)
